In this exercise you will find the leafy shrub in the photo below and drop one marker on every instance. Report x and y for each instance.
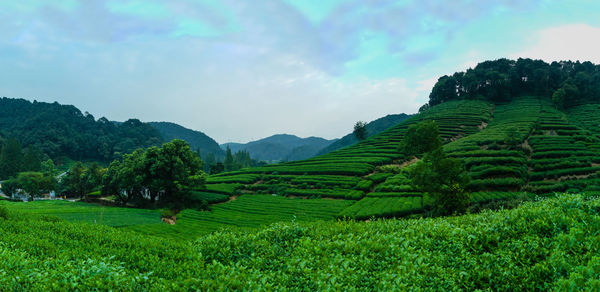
(4, 212)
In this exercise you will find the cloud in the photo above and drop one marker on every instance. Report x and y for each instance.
(242, 70)
(577, 41)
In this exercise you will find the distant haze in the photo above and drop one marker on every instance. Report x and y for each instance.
(243, 70)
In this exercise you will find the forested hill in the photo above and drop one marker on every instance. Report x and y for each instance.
(63, 130)
(281, 147)
(196, 139)
(567, 83)
(373, 128)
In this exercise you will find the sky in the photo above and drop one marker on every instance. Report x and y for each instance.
(241, 70)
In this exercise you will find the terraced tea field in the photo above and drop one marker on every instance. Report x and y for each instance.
(510, 150)
(248, 211)
(507, 148)
(84, 212)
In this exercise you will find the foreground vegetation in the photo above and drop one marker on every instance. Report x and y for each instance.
(550, 244)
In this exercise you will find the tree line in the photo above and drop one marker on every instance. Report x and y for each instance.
(567, 83)
(157, 176)
(231, 162)
(63, 130)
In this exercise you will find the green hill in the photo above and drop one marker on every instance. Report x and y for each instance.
(557, 142)
(63, 130)
(373, 128)
(196, 139)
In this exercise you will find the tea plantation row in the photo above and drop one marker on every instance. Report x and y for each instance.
(545, 245)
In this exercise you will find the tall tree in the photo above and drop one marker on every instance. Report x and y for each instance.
(32, 160)
(360, 130)
(421, 138)
(443, 178)
(228, 163)
(11, 158)
(82, 179)
(34, 183)
(164, 175)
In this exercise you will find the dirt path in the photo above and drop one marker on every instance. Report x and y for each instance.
(232, 198)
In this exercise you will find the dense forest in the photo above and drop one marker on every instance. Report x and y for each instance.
(567, 83)
(57, 130)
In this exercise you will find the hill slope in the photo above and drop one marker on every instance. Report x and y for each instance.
(520, 127)
(63, 130)
(281, 147)
(373, 128)
(196, 139)
(554, 154)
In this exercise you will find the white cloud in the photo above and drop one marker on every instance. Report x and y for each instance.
(566, 42)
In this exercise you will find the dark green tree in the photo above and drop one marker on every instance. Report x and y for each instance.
(34, 183)
(49, 168)
(558, 98)
(421, 138)
(512, 138)
(360, 130)
(82, 179)
(228, 163)
(444, 179)
(164, 175)
(209, 160)
(11, 158)
(10, 187)
(217, 168)
(32, 160)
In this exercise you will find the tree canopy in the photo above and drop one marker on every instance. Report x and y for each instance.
(502, 79)
(443, 178)
(56, 130)
(360, 130)
(163, 175)
(421, 138)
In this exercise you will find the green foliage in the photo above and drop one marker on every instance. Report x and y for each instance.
(10, 187)
(166, 175)
(567, 83)
(210, 198)
(421, 138)
(34, 183)
(81, 179)
(62, 130)
(444, 179)
(360, 130)
(226, 188)
(364, 185)
(330, 193)
(245, 212)
(11, 158)
(559, 97)
(85, 212)
(545, 245)
(3, 213)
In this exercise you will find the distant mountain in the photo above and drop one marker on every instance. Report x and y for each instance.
(375, 127)
(196, 139)
(281, 147)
